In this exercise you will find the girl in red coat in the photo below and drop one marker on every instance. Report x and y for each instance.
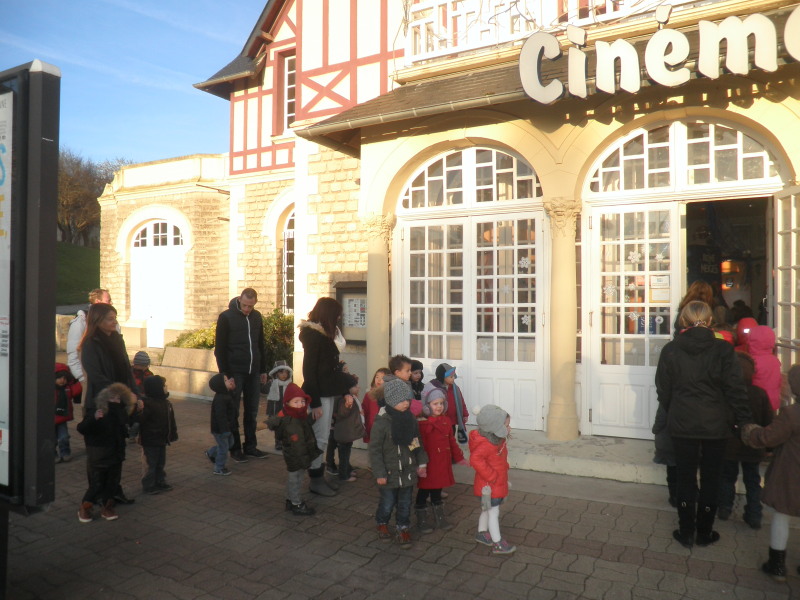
(68, 390)
(369, 405)
(436, 431)
(488, 447)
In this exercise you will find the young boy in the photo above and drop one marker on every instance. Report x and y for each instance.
(400, 368)
(456, 407)
(281, 376)
(223, 417)
(157, 430)
(299, 444)
(397, 458)
(141, 368)
(68, 390)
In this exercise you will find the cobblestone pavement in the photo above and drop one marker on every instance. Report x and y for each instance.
(229, 537)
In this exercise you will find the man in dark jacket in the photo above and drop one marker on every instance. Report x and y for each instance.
(241, 355)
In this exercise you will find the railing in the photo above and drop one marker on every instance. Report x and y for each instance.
(442, 27)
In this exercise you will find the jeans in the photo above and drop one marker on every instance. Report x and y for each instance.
(752, 485)
(391, 498)
(248, 388)
(293, 484)
(705, 455)
(62, 440)
(220, 452)
(153, 460)
(322, 429)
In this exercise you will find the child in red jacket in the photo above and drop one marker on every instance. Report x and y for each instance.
(488, 447)
(68, 391)
(369, 405)
(436, 433)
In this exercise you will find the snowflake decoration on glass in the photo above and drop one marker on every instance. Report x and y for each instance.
(631, 286)
(659, 257)
(633, 315)
(634, 256)
(485, 348)
(610, 290)
(506, 289)
(526, 320)
(525, 263)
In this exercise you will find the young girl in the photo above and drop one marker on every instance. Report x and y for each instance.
(347, 428)
(281, 377)
(456, 407)
(417, 385)
(436, 431)
(369, 405)
(767, 376)
(488, 447)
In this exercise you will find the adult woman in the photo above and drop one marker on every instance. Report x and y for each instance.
(700, 387)
(323, 378)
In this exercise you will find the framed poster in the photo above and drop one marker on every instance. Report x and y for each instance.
(352, 295)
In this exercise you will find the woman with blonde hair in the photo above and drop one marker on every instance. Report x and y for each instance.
(699, 291)
(700, 387)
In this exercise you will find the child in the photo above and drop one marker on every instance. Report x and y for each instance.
(141, 368)
(299, 444)
(105, 431)
(456, 407)
(347, 428)
(767, 376)
(736, 452)
(370, 402)
(417, 385)
(157, 430)
(400, 368)
(330, 452)
(223, 419)
(780, 487)
(488, 447)
(397, 459)
(68, 390)
(436, 432)
(281, 376)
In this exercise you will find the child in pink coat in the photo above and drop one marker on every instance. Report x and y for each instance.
(761, 346)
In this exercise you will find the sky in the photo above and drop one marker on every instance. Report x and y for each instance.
(128, 67)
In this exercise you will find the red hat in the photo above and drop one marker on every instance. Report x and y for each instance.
(295, 391)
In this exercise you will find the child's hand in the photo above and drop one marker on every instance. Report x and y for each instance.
(98, 414)
(348, 401)
(381, 480)
(422, 471)
(355, 391)
(463, 462)
(230, 383)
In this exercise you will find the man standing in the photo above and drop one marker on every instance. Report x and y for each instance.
(76, 329)
(241, 355)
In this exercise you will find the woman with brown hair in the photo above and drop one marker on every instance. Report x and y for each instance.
(323, 379)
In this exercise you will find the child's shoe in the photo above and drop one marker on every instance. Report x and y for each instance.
(222, 471)
(404, 538)
(503, 547)
(440, 519)
(302, 510)
(108, 512)
(209, 457)
(332, 469)
(483, 537)
(383, 532)
(163, 486)
(85, 512)
(423, 523)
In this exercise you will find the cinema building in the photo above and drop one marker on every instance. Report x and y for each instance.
(524, 189)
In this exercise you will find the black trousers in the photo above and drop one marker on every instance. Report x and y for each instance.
(706, 456)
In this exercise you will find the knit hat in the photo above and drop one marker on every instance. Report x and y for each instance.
(444, 370)
(280, 365)
(295, 391)
(396, 391)
(794, 380)
(492, 419)
(416, 365)
(141, 359)
(430, 393)
(62, 370)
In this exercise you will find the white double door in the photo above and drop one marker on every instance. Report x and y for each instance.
(471, 291)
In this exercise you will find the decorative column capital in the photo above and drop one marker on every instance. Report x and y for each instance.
(380, 226)
(563, 212)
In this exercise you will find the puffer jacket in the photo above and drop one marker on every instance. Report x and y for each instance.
(767, 375)
(398, 464)
(490, 462)
(240, 346)
(223, 408)
(298, 441)
(157, 419)
(699, 383)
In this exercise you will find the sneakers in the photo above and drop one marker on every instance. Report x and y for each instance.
(223, 471)
(209, 457)
(383, 532)
(108, 512)
(404, 538)
(121, 498)
(503, 547)
(256, 453)
(483, 537)
(332, 469)
(85, 512)
(239, 457)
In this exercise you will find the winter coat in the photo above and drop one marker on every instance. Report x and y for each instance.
(110, 431)
(442, 450)
(699, 383)
(782, 482)
(71, 391)
(490, 462)
(370, 407)
(322, 375)
(665, 451)
(763, 414)
(744, 327)
(298, 441)
(77, 327)
(223, 408)
(140, 376)
(240, 346)
(98, 366)
(398, 464)
(767, 375)
(348, 426)
(451, 401)
(157, 420)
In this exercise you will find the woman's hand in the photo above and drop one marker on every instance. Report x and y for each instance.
(98, 414)
(316, 413)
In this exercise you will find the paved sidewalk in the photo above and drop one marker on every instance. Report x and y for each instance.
(229, 537)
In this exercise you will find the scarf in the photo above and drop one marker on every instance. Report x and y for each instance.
(114, 347)
(295, 412)
(404, 426)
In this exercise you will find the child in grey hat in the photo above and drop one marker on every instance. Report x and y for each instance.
(488, 447)
(397, 458)
(281, 377)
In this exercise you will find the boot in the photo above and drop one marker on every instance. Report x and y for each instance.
(331, 482)
(705, 522)
(85, 512)
(317, 484)
(686, 525)
(302, 510)
(776, 565)
(108, 512)
(439, 518)
(423, 524)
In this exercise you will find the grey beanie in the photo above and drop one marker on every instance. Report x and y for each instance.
(492, 419)
(396, 391)
(141, 359)
(794, 380)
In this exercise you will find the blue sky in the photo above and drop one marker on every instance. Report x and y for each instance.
(127, 69)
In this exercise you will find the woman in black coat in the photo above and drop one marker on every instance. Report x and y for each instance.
(700, 386)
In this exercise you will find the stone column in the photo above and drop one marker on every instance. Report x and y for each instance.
(379, 232)
(562, 417)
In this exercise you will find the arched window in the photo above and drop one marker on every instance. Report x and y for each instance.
(287, 266)
(158, 233)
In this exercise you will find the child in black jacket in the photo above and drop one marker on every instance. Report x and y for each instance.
(157, 430)
(223, 421)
